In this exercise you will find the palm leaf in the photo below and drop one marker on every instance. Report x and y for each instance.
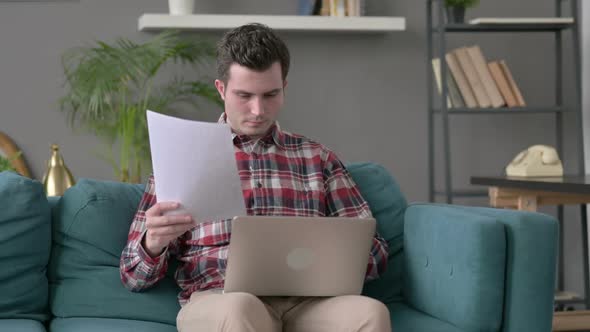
(109, 86)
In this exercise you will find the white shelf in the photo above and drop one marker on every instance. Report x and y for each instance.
(155, 22)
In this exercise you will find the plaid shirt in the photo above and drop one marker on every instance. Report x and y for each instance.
(282, 174)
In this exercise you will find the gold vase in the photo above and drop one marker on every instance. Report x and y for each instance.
(57, 178)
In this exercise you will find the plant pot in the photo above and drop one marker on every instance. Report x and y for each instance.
(455, 14)
(181, 7)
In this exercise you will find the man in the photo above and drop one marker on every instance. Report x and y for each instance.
(281, 174)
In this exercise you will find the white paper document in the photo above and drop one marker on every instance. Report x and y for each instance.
(194, 164)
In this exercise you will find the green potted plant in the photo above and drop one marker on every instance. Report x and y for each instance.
(456, 9)
(110, 86)
(6, 162)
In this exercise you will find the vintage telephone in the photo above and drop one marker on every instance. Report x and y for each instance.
(537, 160)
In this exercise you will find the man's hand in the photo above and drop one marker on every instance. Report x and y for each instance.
(162, 229)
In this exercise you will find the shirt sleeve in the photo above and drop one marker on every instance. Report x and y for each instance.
(345, 200)
(138, 269)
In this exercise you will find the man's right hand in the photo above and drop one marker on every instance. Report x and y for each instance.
(161, 229)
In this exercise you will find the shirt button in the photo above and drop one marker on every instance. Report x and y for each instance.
(259, 184)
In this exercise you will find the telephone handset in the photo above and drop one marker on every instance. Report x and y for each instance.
(537, 160)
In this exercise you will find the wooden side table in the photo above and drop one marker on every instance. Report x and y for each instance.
(528, 194)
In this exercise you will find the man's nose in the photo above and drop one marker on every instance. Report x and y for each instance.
(257, 106)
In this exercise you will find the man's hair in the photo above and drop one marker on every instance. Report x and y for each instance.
(254, 46)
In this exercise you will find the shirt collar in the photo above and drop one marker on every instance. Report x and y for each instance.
(274, 135)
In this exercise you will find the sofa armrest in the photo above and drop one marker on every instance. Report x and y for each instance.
(531, 249)
(479, 268)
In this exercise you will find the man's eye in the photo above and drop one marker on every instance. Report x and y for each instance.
(272, 94)
(243, 95)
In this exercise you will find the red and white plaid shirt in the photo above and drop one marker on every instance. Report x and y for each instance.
(282, 174)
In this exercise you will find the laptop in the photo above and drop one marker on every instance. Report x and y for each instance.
(298, 256)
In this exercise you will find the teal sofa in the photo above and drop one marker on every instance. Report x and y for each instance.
(451, 268)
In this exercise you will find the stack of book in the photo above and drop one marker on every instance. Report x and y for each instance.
(474, 82)
(339, 8)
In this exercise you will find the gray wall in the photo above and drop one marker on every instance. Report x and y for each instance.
(585, 39)
(362, 95)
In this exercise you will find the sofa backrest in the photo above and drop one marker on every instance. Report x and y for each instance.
(25, 242)
(388, 206)
(90, 226)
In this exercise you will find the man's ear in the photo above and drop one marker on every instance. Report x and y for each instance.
(220, 88)
(284, 85)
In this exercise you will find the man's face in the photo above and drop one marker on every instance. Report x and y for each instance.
(252, 99)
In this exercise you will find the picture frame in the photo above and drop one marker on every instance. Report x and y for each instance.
(8, 149)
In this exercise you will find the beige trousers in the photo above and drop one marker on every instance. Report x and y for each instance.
(213, 311)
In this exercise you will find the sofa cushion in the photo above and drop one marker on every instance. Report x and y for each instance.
(90, 227)
(407, 319)
(25, 242)
(388, 206)
(531, 253)
(84, 324)
(21, 325)
(455, 265)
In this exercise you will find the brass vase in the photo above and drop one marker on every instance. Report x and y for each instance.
(57, 178)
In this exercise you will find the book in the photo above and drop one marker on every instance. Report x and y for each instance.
(461, 80)
(362, 7)
(437, 77)
(483, 100)
(309, 7)
(325, 10)
(513, 87)
(337, 8)
(481, 67)
(521, 20)
(355, 7)
(351, 8)
(502, 83)
(453, 91)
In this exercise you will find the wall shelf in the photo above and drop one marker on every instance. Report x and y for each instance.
(505, 27)
(503, 110)
(364, 24)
